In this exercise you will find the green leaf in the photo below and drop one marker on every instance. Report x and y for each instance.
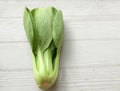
(28, 26)
(43, 27)
(58, 29)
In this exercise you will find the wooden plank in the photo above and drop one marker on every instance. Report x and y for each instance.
(83, 19)
(71, 7)
(70, 78)
(74, 54)
(12, 29)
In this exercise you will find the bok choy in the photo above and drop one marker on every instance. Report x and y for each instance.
(44, 28)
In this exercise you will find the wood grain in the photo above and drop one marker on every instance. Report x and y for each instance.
(74, 54)
(90, 58)
(68, 7)
(70, 78)
(74, 29)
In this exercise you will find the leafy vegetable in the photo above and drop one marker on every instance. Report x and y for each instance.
(44, 29)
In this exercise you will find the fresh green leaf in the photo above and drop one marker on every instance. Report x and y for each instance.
(58, 28)
(28, 26)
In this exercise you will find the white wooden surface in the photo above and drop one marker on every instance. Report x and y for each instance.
(90, 59)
